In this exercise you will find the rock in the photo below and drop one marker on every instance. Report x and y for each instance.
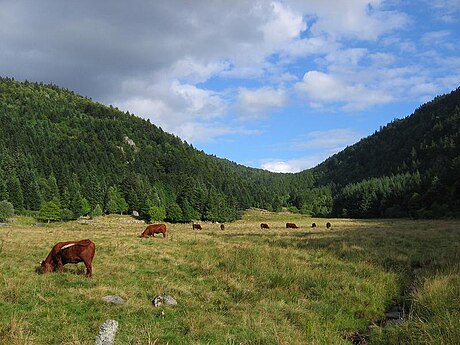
(4, 224)
(135, 214)
(164, 299)
(38, 224)
(107, 333)
(393, 315)
(113, 299)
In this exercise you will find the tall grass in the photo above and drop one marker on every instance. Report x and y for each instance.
(242, 285)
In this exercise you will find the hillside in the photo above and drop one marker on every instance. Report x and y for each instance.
(58, 146)
(411, 165)
(83, 157)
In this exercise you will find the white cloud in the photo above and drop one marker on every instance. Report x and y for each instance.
(446, 10)
(322, 89)
(348, 18)
(435, 37)
(292, 165)
(254, 103)
(317, 146)
(284, 25)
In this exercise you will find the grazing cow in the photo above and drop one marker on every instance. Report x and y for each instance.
(196, 226)
(222, 227)
(328, 225)
(291, 226)
(71, 252)
(153, 229)
(313, 225)
(264, 226)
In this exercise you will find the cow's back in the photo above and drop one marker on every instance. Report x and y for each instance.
(152, 229)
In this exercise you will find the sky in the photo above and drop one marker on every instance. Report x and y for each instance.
(277, 85)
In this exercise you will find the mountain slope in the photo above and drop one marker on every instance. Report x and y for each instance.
(424, 147)
(60, 147)
(57, 145)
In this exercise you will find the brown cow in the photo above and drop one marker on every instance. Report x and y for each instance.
(291, 226)
(222, 227)
(196, 226)
(153, 229)
(328, 225)
(264, 226)
(71, 252)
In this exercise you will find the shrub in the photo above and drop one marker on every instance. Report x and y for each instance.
(50, 211)
(6, 210)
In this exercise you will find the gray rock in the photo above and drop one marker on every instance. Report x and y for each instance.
(113, 299)
(135, 214)
(393, 315)
(107, 333)
(163, 299)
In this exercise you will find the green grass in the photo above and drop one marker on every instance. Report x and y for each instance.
(242, 285)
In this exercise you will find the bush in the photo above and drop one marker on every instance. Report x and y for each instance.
(97, 211)
(50, 211)
(6, 210)
(157, 213)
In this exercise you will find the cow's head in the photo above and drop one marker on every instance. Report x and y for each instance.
(46, 267)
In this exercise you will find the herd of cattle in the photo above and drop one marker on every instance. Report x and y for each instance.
(83, 251)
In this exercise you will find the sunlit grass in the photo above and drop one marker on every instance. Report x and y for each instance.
(242, 285)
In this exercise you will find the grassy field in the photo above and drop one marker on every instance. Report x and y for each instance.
(242, 285)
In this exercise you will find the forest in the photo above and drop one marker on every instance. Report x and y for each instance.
(63, 156)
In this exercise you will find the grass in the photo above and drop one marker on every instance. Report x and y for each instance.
(242, 285)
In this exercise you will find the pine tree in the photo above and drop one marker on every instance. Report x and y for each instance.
(15, 194)
(50, 211)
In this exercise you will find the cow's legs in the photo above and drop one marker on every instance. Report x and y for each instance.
(89, 269)
(60, 266)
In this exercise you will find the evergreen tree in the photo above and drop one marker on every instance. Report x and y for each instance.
(50, 211)
(6, 210)
(97, 211)
(157, 213)
(15, 194)
(174, 213)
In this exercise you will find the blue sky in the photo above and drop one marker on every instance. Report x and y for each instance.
(278, 85)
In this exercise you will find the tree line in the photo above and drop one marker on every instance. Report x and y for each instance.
(77, 157)
(63, 155)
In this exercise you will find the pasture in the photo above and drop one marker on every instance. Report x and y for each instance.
(241, 285)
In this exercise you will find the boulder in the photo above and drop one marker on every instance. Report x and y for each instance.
(113, 299)
(107, 333)
(164, 299)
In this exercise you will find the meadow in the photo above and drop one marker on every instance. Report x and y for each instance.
(241, 285)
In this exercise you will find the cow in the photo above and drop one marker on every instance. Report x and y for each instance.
(222, 227)
(291, 226)
(313, 225)
(196, 226)
(153, 229)
(71, 252)
(328, 225)
(264, 226)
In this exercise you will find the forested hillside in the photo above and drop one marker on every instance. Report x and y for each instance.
(59, 148)
(70, 156)
(410, 167)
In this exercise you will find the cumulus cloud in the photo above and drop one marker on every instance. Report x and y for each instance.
(292, 165)
(193, 67)
(322, 88)
(254, 103)
(348, 18)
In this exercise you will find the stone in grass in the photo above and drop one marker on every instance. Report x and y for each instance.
(107, 333)
(163, 299)
(113, 299)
